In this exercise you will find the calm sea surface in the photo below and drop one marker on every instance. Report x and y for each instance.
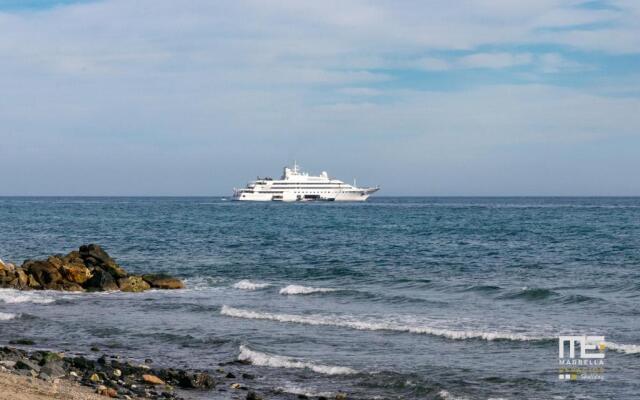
(436, 298)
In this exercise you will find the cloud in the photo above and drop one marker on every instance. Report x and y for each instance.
(151, 92)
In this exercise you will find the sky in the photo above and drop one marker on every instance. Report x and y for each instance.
(434, 98)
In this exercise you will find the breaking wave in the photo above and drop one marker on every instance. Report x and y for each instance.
(12, 296)
(301, 391)
(6, 316)
(299, 289)
(624, 348)
(271, 360)
(377, 325)
(248, 285)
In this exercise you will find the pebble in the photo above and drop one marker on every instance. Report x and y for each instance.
(152, 379)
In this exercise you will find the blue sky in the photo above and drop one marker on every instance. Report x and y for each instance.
(473, 97)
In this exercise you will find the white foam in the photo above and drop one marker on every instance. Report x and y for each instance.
(6, 316)
(376, 325)
(444, 395)
(298, 390)
(12, 296)
(271, 360)
(248, 285)
(623, 348)
(299, 289)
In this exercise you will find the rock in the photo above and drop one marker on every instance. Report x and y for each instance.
(235, 386)
(248, 376)
(93, 254)
(33, 283)
(94, 348)
(253, 396)
(23, 342)
(45, 273)
(76, 273)
(162, 281)
(9, 267)
(133, 284)
(197, 380)
(49, 356)
(28, 365)
(23, 278)
(54, 369)
(230, 376)
(341, 396)
(44, 376)
(101, 281)
(95, 378)
(55, 261)
(71, 287)
(72, 258)
(106, 391)
(117, 373)
(8, 363)
(152, 379)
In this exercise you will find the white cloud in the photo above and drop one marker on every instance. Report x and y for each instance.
(149, 85)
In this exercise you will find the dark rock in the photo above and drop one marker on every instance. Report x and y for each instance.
(101, 281)
(83, 363)
(93, 254)
(27, 364)
(248, 376)
(45, 273)
(148, 361)
(253, 396)
(163, 281)
(187, 380)
(23, 342)
(49, 356)
(70, 287)
(95, 348)
(230, 375)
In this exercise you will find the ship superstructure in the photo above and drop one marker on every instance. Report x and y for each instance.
(295, 185)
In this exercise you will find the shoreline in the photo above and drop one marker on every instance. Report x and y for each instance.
(46, 374)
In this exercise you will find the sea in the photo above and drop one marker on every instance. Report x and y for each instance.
(393, 298)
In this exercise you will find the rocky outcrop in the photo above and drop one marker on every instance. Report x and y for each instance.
(89, 268)
(133, 284)
(162, 281)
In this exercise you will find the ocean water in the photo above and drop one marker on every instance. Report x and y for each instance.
(398, 298)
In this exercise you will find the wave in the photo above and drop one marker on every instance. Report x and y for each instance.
(7, 316)
(623, 348)
(377, 325)
(299, 289)
(12, 296)
(300, 391)
(271, 360)
(482, 288)
(532, 294)
(248, 285)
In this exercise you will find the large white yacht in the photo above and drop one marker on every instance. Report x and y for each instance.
(295, 185)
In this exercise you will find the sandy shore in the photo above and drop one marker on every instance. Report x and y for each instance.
(16, 387)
